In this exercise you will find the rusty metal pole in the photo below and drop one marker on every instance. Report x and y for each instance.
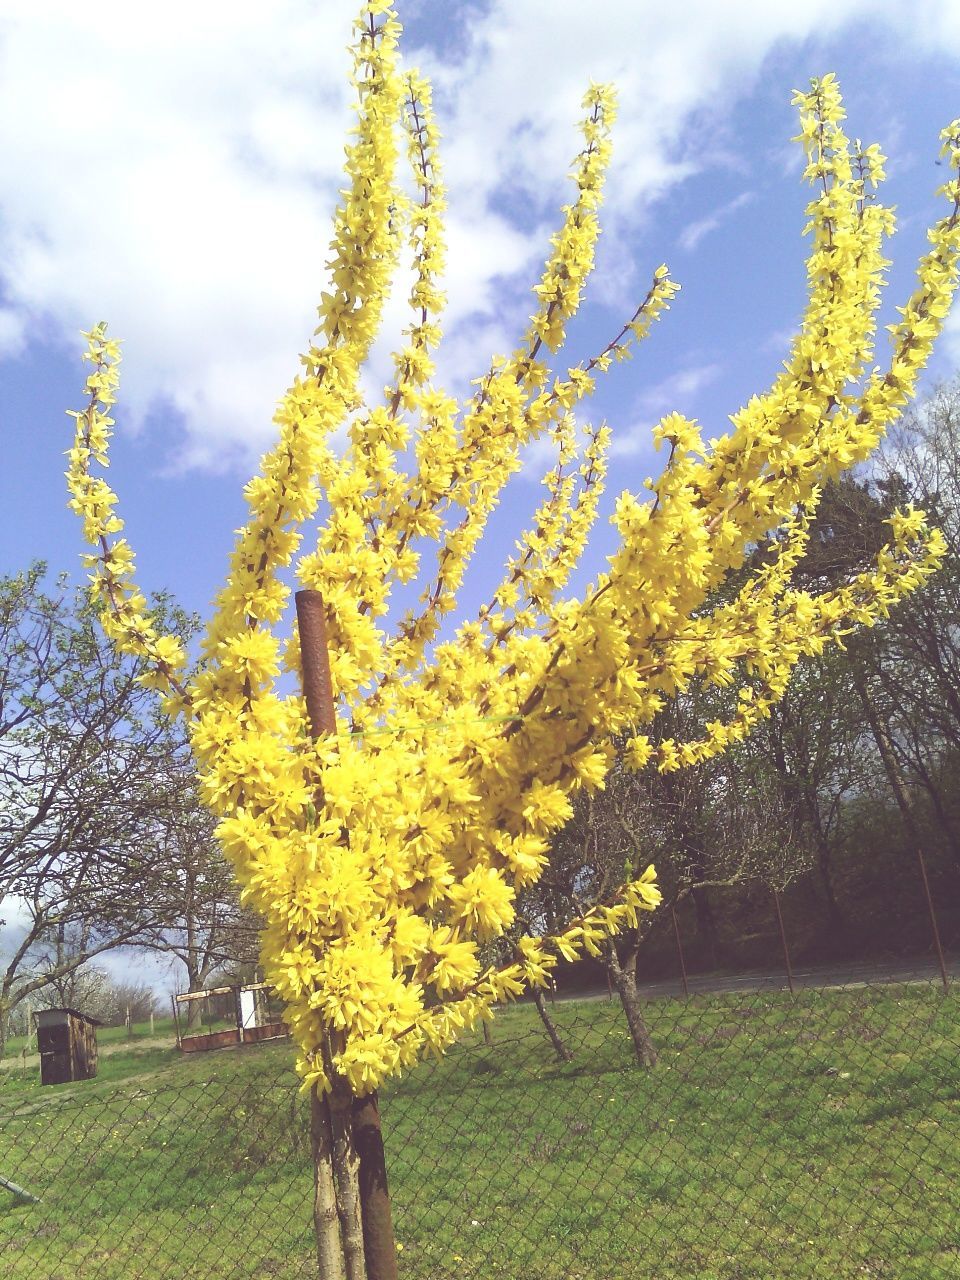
(315, 663)
(934, 928)
(683, 967)
(783, 939)
(337, 1212)
(379, 1245)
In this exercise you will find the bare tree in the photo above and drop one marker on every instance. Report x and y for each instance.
(727, 823)
(84, 801)
(200, 922)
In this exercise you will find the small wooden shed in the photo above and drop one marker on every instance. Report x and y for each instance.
(67, 1041)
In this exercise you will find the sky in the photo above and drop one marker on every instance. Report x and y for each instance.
(173, 169)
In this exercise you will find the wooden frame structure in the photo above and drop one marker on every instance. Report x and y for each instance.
(250, 1027)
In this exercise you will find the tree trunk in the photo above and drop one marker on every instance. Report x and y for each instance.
(318, 691)
(835, 916)
(194, 1007)
(194, 978)
(326, 1220)
(346, 1176)
(559, 1048)
(624, 980)
(487, 1033)
(706, 921)
(379, 1246)
(881, 736)
(939, 809)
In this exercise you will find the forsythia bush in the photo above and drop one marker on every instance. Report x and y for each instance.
(384, 854)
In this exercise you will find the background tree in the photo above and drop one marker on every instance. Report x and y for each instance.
(83, 805)
(727, 824)
(813, 738)
(198, 918)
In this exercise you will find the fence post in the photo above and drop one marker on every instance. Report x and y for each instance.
(676, 934)
(176, 1019)
(238, 1014)
(934, 928)
(379, 1246)
(783, 939)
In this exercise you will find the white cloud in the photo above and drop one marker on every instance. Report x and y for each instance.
(679, 388)
(951, 337)
(694, 232)
(172, 169)
(677, 392)
(12, 335)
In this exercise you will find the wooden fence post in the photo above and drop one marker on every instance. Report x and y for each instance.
(683, 966)
(362, 1141)
(783, 941)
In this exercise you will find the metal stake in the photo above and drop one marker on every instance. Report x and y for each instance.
(783, 939)
(933, 919)
(683, 967)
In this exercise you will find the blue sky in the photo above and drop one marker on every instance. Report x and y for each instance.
(173, 172)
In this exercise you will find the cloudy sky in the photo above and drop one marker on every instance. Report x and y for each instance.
(172, 170)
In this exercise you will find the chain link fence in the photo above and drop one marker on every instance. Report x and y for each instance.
(790, 1135)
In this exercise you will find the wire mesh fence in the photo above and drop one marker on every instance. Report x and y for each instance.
(807, 1134)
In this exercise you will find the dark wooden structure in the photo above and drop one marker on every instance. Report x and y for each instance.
(67, 1042)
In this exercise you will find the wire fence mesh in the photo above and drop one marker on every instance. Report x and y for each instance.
(812, 1134)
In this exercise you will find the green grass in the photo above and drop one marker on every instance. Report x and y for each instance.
(814, 1137)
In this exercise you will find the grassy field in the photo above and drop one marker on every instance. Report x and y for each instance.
(814, 1137)
(111, 1039)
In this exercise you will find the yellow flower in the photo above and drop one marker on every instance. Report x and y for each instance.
(383, 854)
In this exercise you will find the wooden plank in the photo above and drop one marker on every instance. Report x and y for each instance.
(56, 1068)
(201, 995)
(269, 1031)
(211, 1040)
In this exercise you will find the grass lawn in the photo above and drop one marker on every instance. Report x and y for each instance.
(782, 1138)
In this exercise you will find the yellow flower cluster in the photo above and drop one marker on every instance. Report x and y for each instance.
(385, 854)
